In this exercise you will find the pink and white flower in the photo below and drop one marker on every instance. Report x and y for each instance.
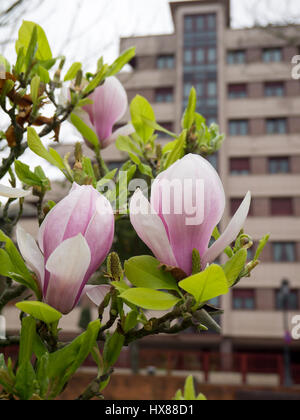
(74, 240)
(167, 234)
(9, 192)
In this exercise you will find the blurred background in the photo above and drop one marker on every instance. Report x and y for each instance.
(238, 54)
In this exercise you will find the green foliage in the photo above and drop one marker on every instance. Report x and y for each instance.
(112, 349)
(72, 72)
(40, 311)
(120, 62)
(85, 131)
(145, 272)
(189, 392)
(206, 285)
(189, 115)
(13, 266)
(140, 109)
(235, 266)
(36, 178)
(150, 299)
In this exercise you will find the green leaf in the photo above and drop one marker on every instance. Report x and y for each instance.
(25, 381)
(35, 144)
(189, 115)
(120, 62)
(72, 72)
(42, 375)
(157, 127)
(4, 63)
(40, 311)
(207, 285)
(189, 389)
(235, 266)
(177, 151)
(16, 265)
(144, 272)
(131, 321)
(65, 362)
(42, 73)
(85, 130)
(262, 243)
(112, 349)
(98, 79)
(35, 86)
(28, 177)
(43, 52)
(28, 333)
(145, 170)
(140, 109)
(125, 144)
(150, 299)
(108, 177)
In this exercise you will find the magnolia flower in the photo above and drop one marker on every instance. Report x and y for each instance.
(74, 240)
(171, 235)
(110, 103)
(12, 192)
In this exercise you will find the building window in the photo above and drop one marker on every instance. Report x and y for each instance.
(274, 89)
(282, 207)
(240, 166)
(238, 128)
(276, 126)
(284, 252)
(293, 303)
(165, 62)
(212, 55)
(236, 57)
(244, 300)
(200, 55)
(271, 55)
(279, 165)
(237, 91)
(188, 56)
(164, 95)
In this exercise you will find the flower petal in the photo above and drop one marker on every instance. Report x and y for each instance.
(13, 192)
(97, 293)
(150, 229)
(126, 130)
(231, 233)
(31, 254)
(67, 266)
(110, 105)
(190, 189)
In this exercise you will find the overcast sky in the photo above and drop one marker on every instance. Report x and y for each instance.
(86, 29)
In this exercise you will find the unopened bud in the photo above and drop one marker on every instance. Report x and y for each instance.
(78, 152)
(114, 267)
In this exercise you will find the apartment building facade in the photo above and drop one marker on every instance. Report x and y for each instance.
(243, 81)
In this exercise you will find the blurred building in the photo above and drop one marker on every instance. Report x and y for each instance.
(243, 81)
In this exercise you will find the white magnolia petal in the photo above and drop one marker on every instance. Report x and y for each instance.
(31, 254)
(231, 233)
(151, 229)
(67, 266)
(13, 192)
(97, 293)
(126, 130)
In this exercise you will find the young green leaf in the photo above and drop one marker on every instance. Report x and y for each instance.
(40, 311)
(43, 52)
(85, 130)
(120, 62)
(177, 151)
(72, 72)
(35, 86)
(145, 272)
(140, 109)
(189, 115)
(235, 266)
(112, 349)
(150, 299)
(28, 177)
(207, 285)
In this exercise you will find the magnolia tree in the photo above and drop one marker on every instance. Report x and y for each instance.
(172, 196)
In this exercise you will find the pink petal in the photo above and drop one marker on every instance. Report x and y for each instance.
(126, 130)
(184, 237)
(231, 233)
(150, 229)
(97, 293)
(31, 254)
(99, 235)
(110, 105)
(67, 266)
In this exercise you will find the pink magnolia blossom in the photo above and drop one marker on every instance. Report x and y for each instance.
(167, 234)
(74, 240)
(110, 103)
